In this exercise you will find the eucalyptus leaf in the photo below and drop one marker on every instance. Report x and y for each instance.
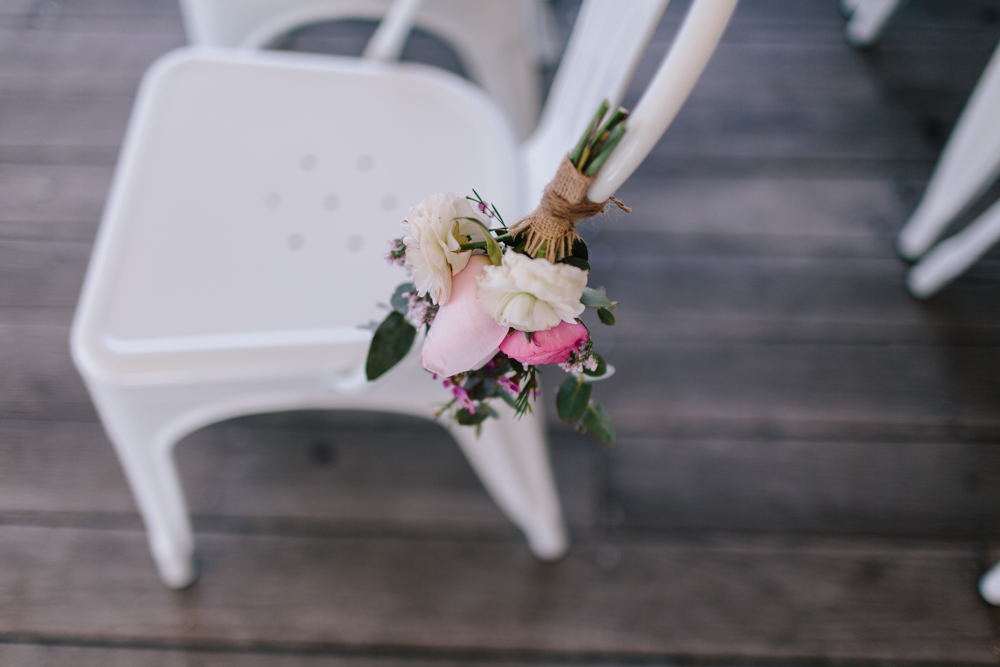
(598, 422)
(606, 316)
(595, 299)
(466, 418)
(399, 301)
(572, 399)
(391, 342)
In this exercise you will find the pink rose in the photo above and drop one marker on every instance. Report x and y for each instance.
(551, 346)
(462, 337)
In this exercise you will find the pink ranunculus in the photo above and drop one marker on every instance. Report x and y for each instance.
(551, 346)
(462, 337)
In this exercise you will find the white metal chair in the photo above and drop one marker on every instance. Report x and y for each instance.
(866, 19)
(502, 43)
(242, 242)
(968, 165)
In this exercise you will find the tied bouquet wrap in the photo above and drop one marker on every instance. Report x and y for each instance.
(497, 302)
(551, 228)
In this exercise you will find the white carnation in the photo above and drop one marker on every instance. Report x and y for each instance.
(531, 294)
(432, 251)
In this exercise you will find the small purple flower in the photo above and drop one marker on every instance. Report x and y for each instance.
(509, 385)
(396, 255)
(463, 399)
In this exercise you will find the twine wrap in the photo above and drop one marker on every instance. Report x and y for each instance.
(564, 202)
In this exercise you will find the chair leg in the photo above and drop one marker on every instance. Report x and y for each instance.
(156, 486)
(954, 255)
(968, 164)
(847, 7)
(868, 19)
(512, 460)
(989, 585)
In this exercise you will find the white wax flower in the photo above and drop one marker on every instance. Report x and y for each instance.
(432, 251)
(531, 294)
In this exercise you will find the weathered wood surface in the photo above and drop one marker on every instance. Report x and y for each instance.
(807, 461)
(620, 598)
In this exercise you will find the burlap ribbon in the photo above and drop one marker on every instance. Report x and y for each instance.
(564, 202)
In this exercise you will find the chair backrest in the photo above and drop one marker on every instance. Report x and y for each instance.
(678, 73)
(607, 42)
(500, 42)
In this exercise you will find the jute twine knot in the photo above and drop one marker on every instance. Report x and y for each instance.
(564, 202)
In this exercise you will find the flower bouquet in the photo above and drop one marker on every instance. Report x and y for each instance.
(497, 302)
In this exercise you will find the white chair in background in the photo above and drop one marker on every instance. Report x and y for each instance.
(968, 165)
(242, 241)
(866, 19)
(502, 43)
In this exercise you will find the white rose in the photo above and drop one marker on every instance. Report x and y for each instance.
(531, 294)
(432, 251)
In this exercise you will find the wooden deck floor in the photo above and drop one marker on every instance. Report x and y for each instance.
(808, 464)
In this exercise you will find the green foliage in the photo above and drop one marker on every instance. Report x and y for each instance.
(466, 418)
(597, 142)
(598, 423)
(577, 156)
(606, 316)
(575, 261)
(572, 399)
(391, 342)
(593, 298)
(399, 301)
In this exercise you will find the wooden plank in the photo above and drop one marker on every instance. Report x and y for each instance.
(74, 62)
(149, 9)
(64, 122)
(52, 193)
(46, 655)
(926, 489)
(802, 391)
(42, 273)
(732, 597)
(38, 379)
(774, 216)
(305, 473)
(330, 473)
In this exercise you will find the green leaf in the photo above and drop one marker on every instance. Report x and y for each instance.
(606, 316)
(579, 249)
(602, 367)
(588, 135)
(392, 340)
(576, 261)
(572, 399)
(400, 302)
(466, 418)
(598, 422)
(492, 247)
(598, 160)
(595, 299)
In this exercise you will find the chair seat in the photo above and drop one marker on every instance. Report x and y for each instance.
(250, 185)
